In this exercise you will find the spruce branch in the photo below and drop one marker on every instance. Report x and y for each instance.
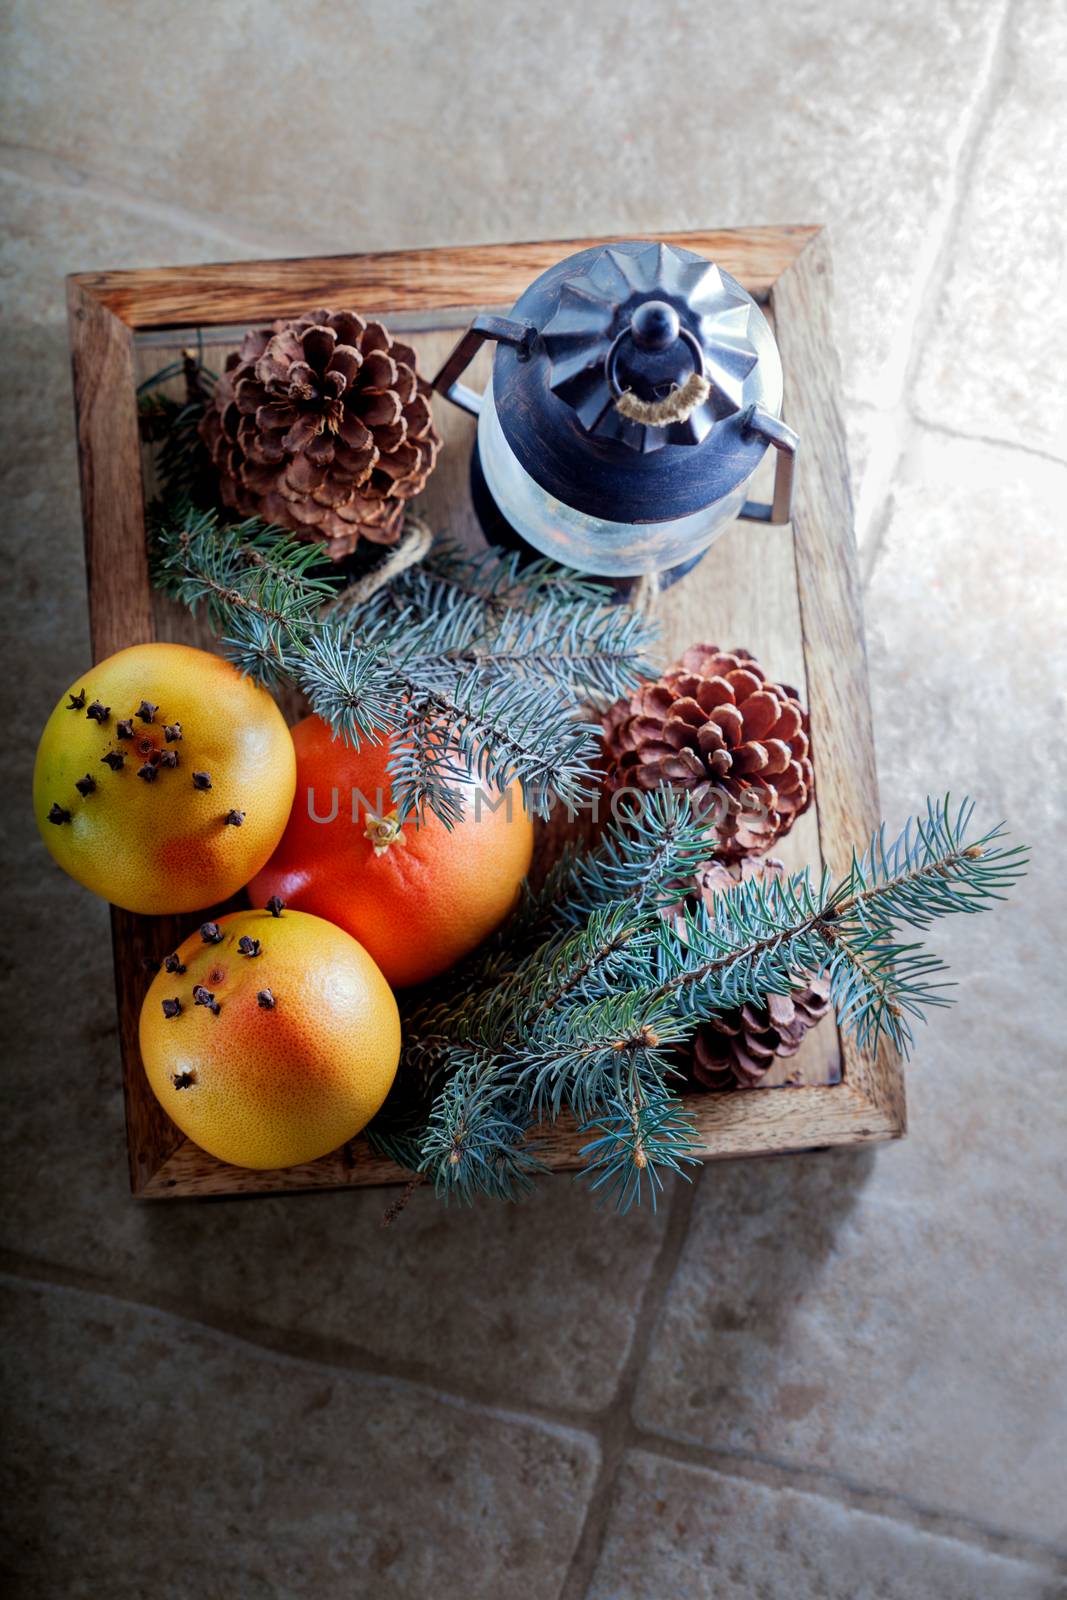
(637, 1142)
(621, 1044)
(501, 581)
(477, 1139)
(585, 1021)
(182, 461)
(481, 669)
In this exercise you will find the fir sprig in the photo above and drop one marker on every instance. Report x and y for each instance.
(586, 1020)
(182, 462)
(476, 667)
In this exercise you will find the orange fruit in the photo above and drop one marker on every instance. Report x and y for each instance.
(418, 897)
(163, 779)
(291, 1049)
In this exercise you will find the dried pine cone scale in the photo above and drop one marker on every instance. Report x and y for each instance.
(322, 424)
(716, 725)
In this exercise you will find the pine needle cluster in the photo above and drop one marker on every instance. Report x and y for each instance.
(464, 663)
(580, 1006)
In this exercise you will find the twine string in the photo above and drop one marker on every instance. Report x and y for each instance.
(678, 406)
(412, 546)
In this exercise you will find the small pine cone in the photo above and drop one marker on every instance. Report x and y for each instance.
(739, 1048)
(322, 425)
(716, 725)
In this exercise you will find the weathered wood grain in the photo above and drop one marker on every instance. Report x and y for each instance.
(787, 593)
(828, 593)
(727, 1126)
(411, 280)
(189, 1171)
(109, 464)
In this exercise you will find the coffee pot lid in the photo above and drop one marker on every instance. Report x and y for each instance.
(635, 321)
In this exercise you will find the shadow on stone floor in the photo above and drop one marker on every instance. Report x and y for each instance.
(761, 1237)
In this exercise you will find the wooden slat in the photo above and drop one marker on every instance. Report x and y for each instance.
(189, 1171)
(120, 614)
(828, 591)
(789, 594)
(470, 275)
(727, 1125)
(109, 462)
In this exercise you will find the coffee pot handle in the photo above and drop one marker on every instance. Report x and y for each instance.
(504, 331)
(785, 442)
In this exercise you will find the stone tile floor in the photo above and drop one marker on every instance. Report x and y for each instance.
(830, 1376)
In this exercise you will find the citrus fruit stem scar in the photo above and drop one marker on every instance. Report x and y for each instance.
(384, 831)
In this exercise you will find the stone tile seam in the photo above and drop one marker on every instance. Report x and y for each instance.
(911, 429)
(321, 1355)
(840, 1489)
(930, 290)
(616, 1419)
(42, 169)
(897, 416)
(987, 441)
(283, 1346)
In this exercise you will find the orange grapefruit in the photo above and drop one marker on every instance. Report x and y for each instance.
(419, 897)
(270, 1040)
(163, 779)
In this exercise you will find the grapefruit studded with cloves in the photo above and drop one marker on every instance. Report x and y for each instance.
(270, 1037)
(164, 779)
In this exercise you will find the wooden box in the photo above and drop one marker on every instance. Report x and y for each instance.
(789, 594)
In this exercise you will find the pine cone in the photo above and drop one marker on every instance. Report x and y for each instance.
(322, 425)
(714, 724)
(740, 1047)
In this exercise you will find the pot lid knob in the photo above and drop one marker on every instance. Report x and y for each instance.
(654, 325)
(641, 321)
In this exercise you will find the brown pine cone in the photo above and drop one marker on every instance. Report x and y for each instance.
(322, 425)
(714, 724)
(739, 1048)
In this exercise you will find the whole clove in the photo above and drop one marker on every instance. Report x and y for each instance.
(275, 905)
(201, 780)
(146, 710)
(58, 814)
(168, 758)
(85, 785)
(76, 701)
(234, 819)
(172, 732)
(183, 1080)
(249, 947)
(211, 933)
(148, 772)
(172, 1008)
(98, 713)
(173, 963)
(204, 997)
(266, 999)
(124, 729)
(115, 760)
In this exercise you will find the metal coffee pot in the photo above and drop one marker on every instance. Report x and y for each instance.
(635, 389)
